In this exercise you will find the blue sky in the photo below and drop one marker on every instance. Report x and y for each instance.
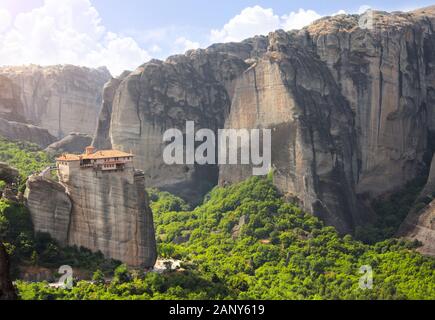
(125, 33)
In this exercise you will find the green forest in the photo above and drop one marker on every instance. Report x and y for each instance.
(244, 242)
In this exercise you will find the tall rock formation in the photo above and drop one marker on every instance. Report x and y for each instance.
(72, 143)
(11, 107)
(12, 130)
(102, 139)
(50, 207)
(111, 213)
(13, 124)
(101, 211)
(61, 99)
(163, 95)
(420, 222)
(349, 99)
(385, 71)
(290, 91)
(8, 174)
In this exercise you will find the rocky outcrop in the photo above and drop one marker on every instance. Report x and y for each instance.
(111, 214)
(350, 105)
(101, 138)
(420, 225)
(72, 143)
(8, 174)
(61, 99)
(50, 207)
(163, 95)
(385, 72)
(420, 222)
(101, 211)
(290, 91)
(18, 131)
(7, 290)
(11, 107)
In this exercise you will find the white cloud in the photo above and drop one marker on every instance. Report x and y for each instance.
(182, 44)
(260, 21)
(5, 19)
(68, 31)
(156, 49)
(251, 21)
(362, 9)
(298, 20)
(338, 13)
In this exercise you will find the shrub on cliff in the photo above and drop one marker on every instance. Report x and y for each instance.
(26, 157)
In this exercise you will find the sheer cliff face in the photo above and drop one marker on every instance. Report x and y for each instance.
(12, 121)
(350, 108)
(111, 214)
(25, 132)
(50, 207)
(160, 96)
(387, 75)
(11, 107)
(101, 211)
(290, 91)
(420, 223)
(61, 99)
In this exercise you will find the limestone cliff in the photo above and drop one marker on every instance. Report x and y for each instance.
(386, 73)
(12, 121)
(61, 99)
(290, 91)
(11, 106)
(350, 104)
(101, 211)
(101, 138)
(8, 174)
(50, 207)
(420, 225)
(72, 143)
(12, 130)
(163, 95)
(420, 222)
(111, 214)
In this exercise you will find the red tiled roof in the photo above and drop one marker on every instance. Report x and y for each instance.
(103, 154)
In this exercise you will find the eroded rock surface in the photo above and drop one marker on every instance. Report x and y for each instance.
(420, 222)
(111, 214)
(61, 99)
(350, 106)
(386, 73)
(72, 143)
(11, 106)
(102, 139)
(101, 211)
(7, 173)
(50, 207)
(25, 132)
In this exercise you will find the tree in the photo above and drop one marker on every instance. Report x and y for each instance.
(7, 289)
(98, 277)
(122, 275)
